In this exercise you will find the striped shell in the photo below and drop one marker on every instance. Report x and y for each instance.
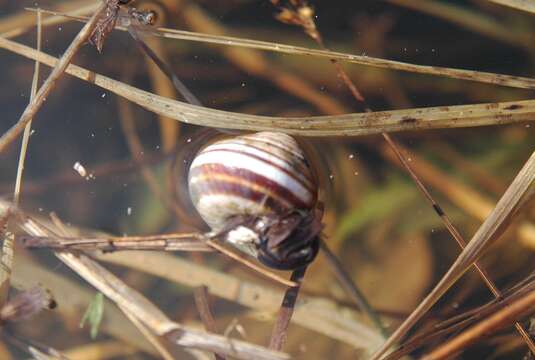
(257, 174)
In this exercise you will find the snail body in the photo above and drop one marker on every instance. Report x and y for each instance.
(259, 191)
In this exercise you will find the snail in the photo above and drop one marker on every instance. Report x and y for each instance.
(258, 193)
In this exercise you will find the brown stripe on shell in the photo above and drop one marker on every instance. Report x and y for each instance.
(248, 180)
(278, 141)
(225, 186)
(295, 176)
(299, 164)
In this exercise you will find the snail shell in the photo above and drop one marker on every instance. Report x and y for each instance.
(263, 177)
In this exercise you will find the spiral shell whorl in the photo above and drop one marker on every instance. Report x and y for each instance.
(253, 174)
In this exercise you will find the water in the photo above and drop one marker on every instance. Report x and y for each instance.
(386, 235)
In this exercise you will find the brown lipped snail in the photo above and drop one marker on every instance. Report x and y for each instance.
(258, 193)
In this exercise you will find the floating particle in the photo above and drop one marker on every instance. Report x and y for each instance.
(80, 169)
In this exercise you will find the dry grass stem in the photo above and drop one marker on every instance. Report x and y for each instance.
(337, 125)
(6, 259)
(73, 296)
(524, 5)
(456, 235)
(501, 318)
(520, 190)
(250, 264)
(202, 302)
(144, 310)
(156, 342)
(28, 128)
(314, 313)
(467, 318)
(24, 21)
(310, 28)
(484, 77)
(166, 242)
(472, 20)
(471, 201)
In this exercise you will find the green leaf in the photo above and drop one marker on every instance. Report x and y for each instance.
(93, 315)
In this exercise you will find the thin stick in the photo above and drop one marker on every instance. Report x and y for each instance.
(28, 128)
(166, 69)
(461, 74)
(457, 323)
(150, 315)
(202, 301)
(500, 319)
(250, 264)
(352, 289)
(41, 96)
(279, 333)
(356, 124)
(165, 242)
(6, 259)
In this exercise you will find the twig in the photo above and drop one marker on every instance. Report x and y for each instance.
(165, 242)
(279, 333)
(501, 318)
(202, 301)
(337, 125)
(41, 96)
